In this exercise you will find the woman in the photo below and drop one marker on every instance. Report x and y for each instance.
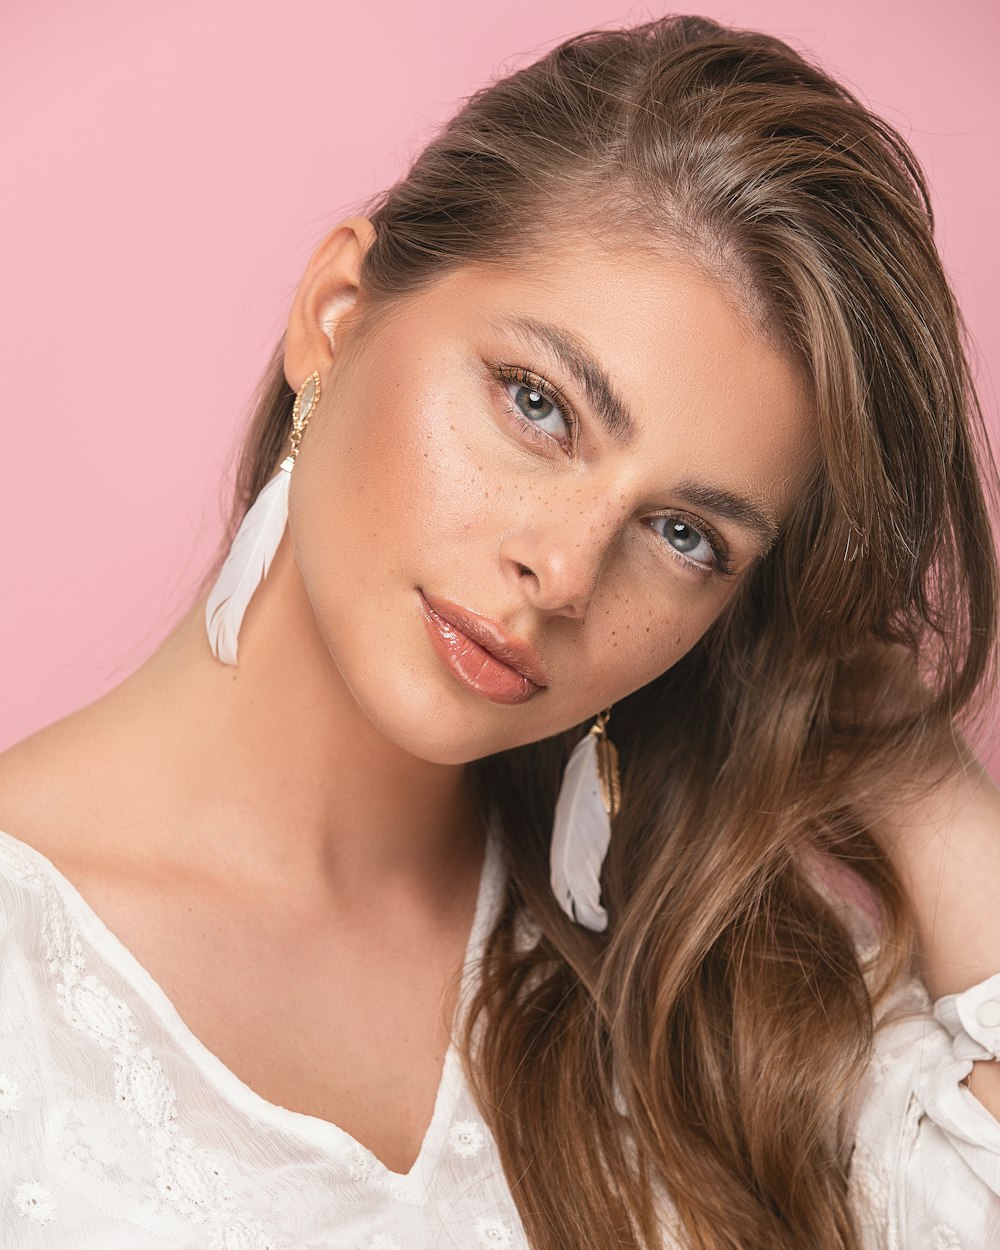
(339, 924)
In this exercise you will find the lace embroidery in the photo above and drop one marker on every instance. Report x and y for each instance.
(466, 1137)
(364, 1169)
(360, 1163)
(494, 1233)
(97, 1153)
(869, 1187)
(945, 1238)
(10, 1094)
(241, 1235)
(131, 1131)
(18, 862)
(189, 1178)
(35, 1203)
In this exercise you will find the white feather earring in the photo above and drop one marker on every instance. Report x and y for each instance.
(589, 799)
(256, 540)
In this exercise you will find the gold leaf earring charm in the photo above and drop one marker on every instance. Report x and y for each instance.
(305, 401)
(256, 540)
(607, 766)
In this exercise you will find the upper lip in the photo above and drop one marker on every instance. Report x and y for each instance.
(513, 652)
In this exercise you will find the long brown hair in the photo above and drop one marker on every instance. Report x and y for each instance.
(701, 1050)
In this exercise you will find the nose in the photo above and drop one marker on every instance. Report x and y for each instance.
(558, 558)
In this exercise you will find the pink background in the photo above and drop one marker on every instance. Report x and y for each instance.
(167, 170)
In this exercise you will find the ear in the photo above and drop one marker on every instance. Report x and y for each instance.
(328, 291)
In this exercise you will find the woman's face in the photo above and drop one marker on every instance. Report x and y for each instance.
(459, 457)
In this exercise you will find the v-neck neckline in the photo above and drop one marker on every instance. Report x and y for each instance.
(320, 1133)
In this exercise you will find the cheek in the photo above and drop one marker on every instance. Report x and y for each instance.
(386, 477)
(637, 639)
(353, 467)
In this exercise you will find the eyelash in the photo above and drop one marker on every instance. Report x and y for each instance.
(516, 373)
(722, 561)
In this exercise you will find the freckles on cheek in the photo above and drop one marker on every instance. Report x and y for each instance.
(669, 648)
(643, 643)
(442, 472)
(637, 644)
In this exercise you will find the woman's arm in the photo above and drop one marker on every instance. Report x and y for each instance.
(946, 850)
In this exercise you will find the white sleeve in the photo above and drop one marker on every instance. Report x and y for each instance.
(925, 1174)
(972, 1019)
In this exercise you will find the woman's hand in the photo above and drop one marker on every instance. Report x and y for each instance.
(945, 846)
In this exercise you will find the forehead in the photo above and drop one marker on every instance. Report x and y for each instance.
(682, 360)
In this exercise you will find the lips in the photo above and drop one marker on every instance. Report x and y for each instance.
(480, 654)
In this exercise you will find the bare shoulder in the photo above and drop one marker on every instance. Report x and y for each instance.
(53, 788)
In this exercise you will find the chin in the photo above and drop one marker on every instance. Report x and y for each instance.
(430, 723)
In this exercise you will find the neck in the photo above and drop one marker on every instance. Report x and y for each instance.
(271, 766)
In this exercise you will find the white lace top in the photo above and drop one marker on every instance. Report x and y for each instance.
(120, 1130)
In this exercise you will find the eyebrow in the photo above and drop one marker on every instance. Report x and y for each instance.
(734, 507)
(572, 353)
(569, 350)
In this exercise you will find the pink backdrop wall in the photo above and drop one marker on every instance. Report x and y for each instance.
(166, 171)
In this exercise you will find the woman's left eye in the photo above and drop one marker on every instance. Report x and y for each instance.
(693, 545)
(537, 406)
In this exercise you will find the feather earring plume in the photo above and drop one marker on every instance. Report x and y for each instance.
(589, 799)
(256, 540)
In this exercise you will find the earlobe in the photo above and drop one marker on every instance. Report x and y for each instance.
(328, 291)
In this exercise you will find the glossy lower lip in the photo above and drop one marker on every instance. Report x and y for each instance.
(473, 665)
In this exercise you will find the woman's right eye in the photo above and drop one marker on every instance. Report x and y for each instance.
(537, 407)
